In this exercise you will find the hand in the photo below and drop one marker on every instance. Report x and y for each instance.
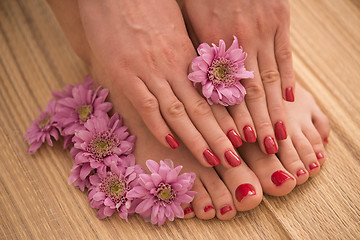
(145, 50)
(262, 28)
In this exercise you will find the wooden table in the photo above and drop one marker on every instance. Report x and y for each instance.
(36, 201)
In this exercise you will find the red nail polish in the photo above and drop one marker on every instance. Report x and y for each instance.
(188, 210)
(208, 208)
(232, 159)
(249, 134)
(279, 177)
(211, 158)
(313, 165)
(289, 95)
(280, 130)
(172, 141)
(225, 210)
(325, 140)
(320, 155)
(270, 145)
(234, 138)
(244, 190)
(300, 172)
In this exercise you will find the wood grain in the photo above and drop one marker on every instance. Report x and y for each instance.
(37, 203)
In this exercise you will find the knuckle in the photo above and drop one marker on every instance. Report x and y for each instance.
(270, 77)
(221, 141)
(284, 54)
(263, 125)
(276, 109)
(201, 108)
(255, 91)
(176, 109)
(149, 105)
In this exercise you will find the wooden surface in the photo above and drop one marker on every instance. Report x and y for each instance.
(37, 203)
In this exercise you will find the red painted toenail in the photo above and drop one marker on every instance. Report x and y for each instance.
(280, 130)
(326, 140)
(172, 141)
(232, 159)
(234, 138)
(211, 158)
(188, 210)
(279, 177)
(249, 134)
(289, 94)
(208, 208)
(225, 210)
(313, 165)
(320, 155)
(270, 145)
(300, 172)
(244, 190)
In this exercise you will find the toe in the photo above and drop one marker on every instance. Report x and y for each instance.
(202, 203)
(321, 123)
(188, 211)
(316, 141)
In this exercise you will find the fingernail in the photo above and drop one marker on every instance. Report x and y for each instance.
(320, 155)
(270, 145)
(225, 210)
(172, 141)
(211, 158)
(279, 177)
(289, 95)
(313, 165)
(326, 140)
(234, 138)
(280, 131)
(300, 172)
(232, 159)
(244, 190)
(188, 210)
(249, 134)
(208, 208)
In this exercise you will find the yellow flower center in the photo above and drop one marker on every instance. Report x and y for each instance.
(165, 193)
(84, 112)
(44, 122)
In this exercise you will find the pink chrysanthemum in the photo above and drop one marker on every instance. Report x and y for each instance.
(162, 192)
(220, 72)
(87, 83)
(42, 129)
(109, 191)
(102, 142)
(73, 112)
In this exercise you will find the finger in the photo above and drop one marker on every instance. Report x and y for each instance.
(283, 56)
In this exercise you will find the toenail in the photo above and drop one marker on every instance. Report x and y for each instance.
(208, 208)
(249, 134)
(232, 159)
(279, 177)
(270, 145)
(244, 190)
(300, 172)
(171, 141)
(225, 210)
(234, 138)
(320, 155)
(211, 158)
(280, 130)
(188, 210)
(326, 140)
(313, 165)
(289, 94)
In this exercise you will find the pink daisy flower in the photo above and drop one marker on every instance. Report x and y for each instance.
(87, 83)
(109, 191)
(102, 141)
(162, 192)
(220, 72)
(42, 129)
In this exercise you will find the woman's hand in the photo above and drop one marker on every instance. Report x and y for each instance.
(262, 28)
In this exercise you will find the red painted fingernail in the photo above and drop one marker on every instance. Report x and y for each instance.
(249, 134)
(234, 138)
(326, 140)
(270, 145)
(313, 165)
(172, 141)
(289, 95)
(280, 131)
(225, 210)
(244, 190)
(188, 210)
(320, 155)
(211, 158)
(300, 172)
(232, 159)
(279, 177)
(208, 208)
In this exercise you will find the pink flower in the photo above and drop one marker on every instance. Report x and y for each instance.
(109, 191)
(103, 141)
(161, 193)
(219, 72)
(67, 90)
(42, 129)
(72, 112)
